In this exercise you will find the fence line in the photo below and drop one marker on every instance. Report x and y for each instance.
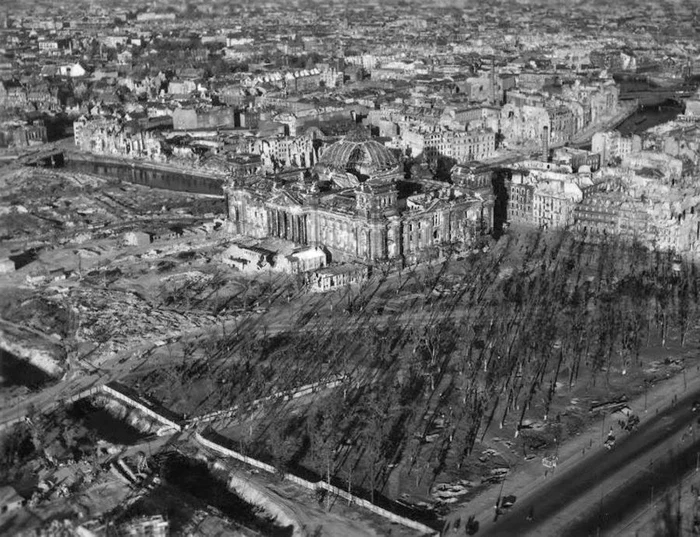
(316, 486)
(248, 460)
(137, 404)
(287, 395)
(92, 391)
(212, 416)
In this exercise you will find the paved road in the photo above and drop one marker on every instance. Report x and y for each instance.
(625, 475)
(607, 513)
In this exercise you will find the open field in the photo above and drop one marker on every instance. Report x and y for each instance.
(441, 375)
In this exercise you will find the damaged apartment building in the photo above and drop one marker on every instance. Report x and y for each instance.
(117, 137)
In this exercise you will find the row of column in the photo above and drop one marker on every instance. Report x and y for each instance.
(287, 226)
(373, 243)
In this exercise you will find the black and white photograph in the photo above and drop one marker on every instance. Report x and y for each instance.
(334, 268)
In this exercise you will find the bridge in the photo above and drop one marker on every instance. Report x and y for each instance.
(652, 97)
(47, 156)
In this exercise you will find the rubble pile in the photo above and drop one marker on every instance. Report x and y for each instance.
(118, 318)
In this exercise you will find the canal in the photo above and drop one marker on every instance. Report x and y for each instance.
(169, 180)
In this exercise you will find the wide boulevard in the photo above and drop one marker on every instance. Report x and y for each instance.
(597, 495)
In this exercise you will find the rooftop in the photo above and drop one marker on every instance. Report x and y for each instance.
(358, 153)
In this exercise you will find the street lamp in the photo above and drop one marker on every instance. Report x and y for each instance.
(646, 387)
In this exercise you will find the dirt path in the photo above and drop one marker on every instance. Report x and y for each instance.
(300, 506)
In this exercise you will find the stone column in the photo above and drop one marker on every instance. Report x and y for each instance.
(407, 246)
(313, 221)
(311, 232)
(379, 243)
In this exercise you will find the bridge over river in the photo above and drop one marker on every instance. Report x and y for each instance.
(46, 156)
(654, 96)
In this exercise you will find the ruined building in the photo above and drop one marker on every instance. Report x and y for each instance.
(357, 205)
(111, 136)
(542, 198)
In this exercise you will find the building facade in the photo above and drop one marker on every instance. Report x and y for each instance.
(358, 206)
(612, 145)
(462, 146)
(545, 200)
(638, 209)
(104, 136)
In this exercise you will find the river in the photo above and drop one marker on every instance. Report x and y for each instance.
(169, 180)
(649, 116)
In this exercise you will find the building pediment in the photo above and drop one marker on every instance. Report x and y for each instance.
(285, 199)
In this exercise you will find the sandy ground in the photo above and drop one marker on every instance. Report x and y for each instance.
(340, 520)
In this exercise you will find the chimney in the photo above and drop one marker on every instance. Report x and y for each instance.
(545, 144)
